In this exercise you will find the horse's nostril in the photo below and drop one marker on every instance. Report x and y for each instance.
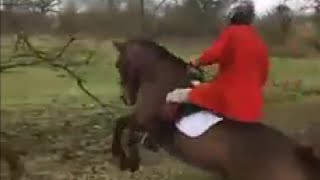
(124, 100)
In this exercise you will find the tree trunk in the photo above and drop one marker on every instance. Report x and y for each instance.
(142, 18)
(111, 7)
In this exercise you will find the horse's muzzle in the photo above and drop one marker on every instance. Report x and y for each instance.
(126, 101)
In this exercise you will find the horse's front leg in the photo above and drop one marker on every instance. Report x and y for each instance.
(117, 149)
(133, 143)
(133, 161)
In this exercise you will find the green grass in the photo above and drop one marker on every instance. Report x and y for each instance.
(306, 70)
(40, 85)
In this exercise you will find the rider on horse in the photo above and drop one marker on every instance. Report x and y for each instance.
(237, 91)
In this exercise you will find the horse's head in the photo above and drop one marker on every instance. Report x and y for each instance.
(129, 81)
(141, 61)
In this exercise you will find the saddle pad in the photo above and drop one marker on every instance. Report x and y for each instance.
(197, 123)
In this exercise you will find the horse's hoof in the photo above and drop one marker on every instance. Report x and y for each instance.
(151, 146)
(129, 164)
(134, 169)
(124, 164)
(135, 164)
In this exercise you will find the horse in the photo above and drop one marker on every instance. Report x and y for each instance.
(235, 150)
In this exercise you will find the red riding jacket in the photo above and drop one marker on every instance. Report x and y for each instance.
(237, 90)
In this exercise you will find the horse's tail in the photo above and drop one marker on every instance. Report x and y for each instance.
(308, 158)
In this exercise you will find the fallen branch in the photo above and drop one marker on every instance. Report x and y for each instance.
(19, 64)
(56, 62)
(50, 61)
(80, 83)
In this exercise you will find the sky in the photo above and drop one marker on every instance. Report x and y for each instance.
(262, 6)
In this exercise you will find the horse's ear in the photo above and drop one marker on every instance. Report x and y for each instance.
(118, 45)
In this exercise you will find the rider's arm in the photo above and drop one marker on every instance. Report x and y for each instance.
(213, 53)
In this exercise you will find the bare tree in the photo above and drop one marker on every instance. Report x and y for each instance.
(42, 6)
(111, 6)
(67, 18)
(154, 12)
(285, 15)
(142, 17)
(210, 4)
(313, 5)
(45, 6)
(10, 5)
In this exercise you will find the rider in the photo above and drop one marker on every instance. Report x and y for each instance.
(237, 91)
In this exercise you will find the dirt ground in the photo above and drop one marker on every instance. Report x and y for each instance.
(74, 143)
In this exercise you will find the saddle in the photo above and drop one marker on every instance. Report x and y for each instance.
(173, 112)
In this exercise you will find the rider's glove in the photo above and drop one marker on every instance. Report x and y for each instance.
(178, 96)
(194, 62)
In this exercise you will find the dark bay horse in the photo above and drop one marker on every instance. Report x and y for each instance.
(234, 150)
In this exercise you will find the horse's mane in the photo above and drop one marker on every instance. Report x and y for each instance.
(157, 49)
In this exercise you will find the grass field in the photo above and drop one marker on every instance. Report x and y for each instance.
(37, 103)
(39, 85)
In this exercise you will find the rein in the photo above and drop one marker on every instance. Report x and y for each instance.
(196, 73)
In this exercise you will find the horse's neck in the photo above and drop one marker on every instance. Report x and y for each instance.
(173, 75)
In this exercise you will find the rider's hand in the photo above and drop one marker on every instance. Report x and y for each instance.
(178, 96)
(194, 62)
(195, 83)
